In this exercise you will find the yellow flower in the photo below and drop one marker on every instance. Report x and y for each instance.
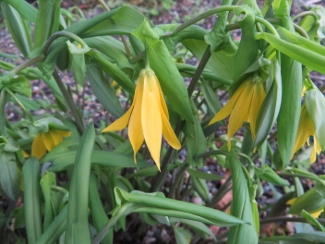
(242, 107)
(147, 117)
(314, 213)
(305, 130)
(46, 141)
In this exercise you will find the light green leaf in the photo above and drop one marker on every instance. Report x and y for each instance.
(9, 177)
(241, 205)
(103, 90)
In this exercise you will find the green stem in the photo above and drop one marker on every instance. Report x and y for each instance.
(211, 153)
(20, 104)
(268, 25)
(27, 64)
(70, 102)
(204, 60)
(222, 191)
(288, 219)
(104, 5)
(62, 34)
(200, 17)
(100, 236)
(160, 176)
(295, 175)
(303, 14)
(2, 112)
(178, 178)
(247, 158)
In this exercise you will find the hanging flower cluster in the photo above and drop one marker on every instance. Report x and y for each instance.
(148, 117)
(242, 107)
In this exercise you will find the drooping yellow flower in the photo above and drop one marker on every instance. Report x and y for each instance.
(147, 117)
(242, 107)
(315, 213)
(305, 130)
(46, 141)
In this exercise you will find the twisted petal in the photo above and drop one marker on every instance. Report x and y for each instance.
(151, 118)
(316, 150)
(48, 140)
(57, 136)
(305, 130)
(240, 112)
(227, 109)
(38, 147)
(135, 127)
(256, 102)
(169, 134)
(120, 123)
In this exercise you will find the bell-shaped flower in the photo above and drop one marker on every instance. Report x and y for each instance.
(148, 117)
(243, 106)
(48, 133)
(305, 130)
(46, 141)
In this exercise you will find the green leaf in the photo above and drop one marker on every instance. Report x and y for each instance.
(220, 63)
(9, 176)
(204, 175)
(20, 85)
(270, 107)
(27, 11)
(18, 27)
(200, 229)
(315, 104)
(247, 50)
(161, 62)
(110, 159)
(115, 22)
(200, 186)
(48, 18)
(217, 36)
(112, 48)
(195, 140)
(241, 205)
(311, 220)
(97, 211)
(46, 182)
(56, 229)
(103, 90)
(113, 71)
(174, 208)
(182, 235)
(311, 201)
(299, 238)
(307, 57)
(77, 223)
(267, 174)
(32, 199)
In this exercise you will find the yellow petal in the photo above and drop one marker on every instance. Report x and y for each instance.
(48, 140)
(291, 201)
(123, 121)
(135, 129)
(256, 102)
(316, 214)
(151, 118)
(227, 109)
(169, 133)
(240, 112)
(38, 147)
(25, 154)
(120, 123)
(305, 130)
(316, 150)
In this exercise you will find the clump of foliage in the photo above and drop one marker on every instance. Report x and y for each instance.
(65, 181)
